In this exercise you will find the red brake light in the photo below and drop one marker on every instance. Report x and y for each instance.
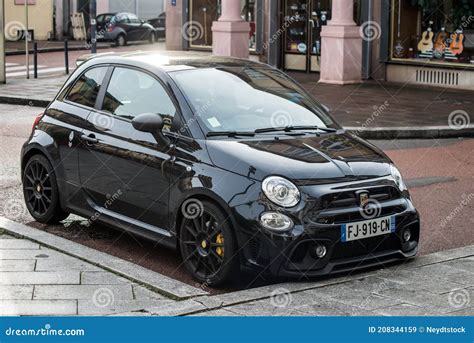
(37, 120)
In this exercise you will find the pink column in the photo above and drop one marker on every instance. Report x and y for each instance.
(230, 34)
(341, 46)
(174, 25)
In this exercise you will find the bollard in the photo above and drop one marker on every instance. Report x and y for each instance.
(35, 60)
(66, 55)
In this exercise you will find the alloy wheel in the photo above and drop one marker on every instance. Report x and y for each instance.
(203, 245)
(38, 188)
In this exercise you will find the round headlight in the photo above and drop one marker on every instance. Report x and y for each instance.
(281, 191)
(397, 176)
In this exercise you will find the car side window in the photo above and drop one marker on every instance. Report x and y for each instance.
(131, 92)
(86, 88)
(133, 19)
(121, 18)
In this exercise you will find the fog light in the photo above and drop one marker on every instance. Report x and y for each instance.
(276, 221)
(406, 235)
(321, 250)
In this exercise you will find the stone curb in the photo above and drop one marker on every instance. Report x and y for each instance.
(160, 283)
(418, 132)
(12, 100)
(221, 301)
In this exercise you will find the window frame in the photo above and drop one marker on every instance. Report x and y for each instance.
(64, 97)
(178, 121)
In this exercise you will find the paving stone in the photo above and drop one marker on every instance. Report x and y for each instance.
(141, 292)
(66, 263)
(28, 254)
(3, 236)
(264, 308)
(70, 292)
(332, 308)
(17, 244)
(469, 312)
(439, 303)
(405, 310)
(39, 278)
(464, 264)
(441, 270)
(177, 308)
(216, 313)
(117, 306)
(102, 278)
(17, 265)
(16, 292)
(38, 307)
(466, 279)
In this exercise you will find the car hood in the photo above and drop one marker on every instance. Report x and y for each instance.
(303, 159)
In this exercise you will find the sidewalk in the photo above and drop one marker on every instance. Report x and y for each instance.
(374, 110)
(18, 47)
(70, 279)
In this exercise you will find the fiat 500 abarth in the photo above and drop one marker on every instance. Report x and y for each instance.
(229, 161)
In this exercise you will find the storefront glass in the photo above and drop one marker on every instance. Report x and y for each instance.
(203, 12)
(433, 32)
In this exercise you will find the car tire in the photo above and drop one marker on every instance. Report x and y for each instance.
(40, 191)
(152, 38)
(207, 243)
(121, 40)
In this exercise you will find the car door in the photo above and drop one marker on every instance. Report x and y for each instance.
(67, 116)
(123, 171)
(138, 31)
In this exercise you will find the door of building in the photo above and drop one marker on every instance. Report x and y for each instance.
(302, 23)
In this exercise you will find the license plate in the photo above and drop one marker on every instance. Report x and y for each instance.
(367, 228)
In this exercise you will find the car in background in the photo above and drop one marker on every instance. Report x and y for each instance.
(122, 28)
(159, 23)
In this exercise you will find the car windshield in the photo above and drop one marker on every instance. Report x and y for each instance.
(246, 99)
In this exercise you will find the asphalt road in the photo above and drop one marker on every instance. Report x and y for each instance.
(440, 174)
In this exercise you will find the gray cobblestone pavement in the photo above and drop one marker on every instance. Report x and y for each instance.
(36, 280)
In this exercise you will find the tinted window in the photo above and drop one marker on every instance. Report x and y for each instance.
(121, 18)
(133, 18)
(87, 87)
(131, 92)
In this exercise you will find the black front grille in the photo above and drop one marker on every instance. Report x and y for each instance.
(349, 198)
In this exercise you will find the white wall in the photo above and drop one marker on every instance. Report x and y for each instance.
(145, 9)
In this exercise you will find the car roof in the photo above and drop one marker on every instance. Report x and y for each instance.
(168, 61)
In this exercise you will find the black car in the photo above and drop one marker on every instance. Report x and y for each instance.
(227, 160)
(123, 27)
(159, 23)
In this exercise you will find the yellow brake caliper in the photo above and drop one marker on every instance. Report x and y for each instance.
(220, 240)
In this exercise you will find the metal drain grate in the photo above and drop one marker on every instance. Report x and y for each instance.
(437, 77)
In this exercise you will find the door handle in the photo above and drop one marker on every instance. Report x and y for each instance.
(90, 139)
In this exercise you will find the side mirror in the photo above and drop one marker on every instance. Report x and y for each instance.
(152, 123)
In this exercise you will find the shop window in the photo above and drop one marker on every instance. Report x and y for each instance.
(433, 31)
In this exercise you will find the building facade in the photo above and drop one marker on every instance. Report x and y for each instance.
(426, 42)
(40, 19)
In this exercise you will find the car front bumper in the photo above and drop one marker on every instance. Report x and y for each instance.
(293, 254)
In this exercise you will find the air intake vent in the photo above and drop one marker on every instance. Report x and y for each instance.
(437, 77)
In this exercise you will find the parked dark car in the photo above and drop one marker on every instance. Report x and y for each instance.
(122, 28)
(159, 23)
(227, 160)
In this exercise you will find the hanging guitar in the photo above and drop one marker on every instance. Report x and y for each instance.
(425, 45)
(457, 45)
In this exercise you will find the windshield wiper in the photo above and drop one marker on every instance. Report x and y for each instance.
(294, 128)
(230, 133)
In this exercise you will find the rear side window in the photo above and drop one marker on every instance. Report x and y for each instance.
(86, 88)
